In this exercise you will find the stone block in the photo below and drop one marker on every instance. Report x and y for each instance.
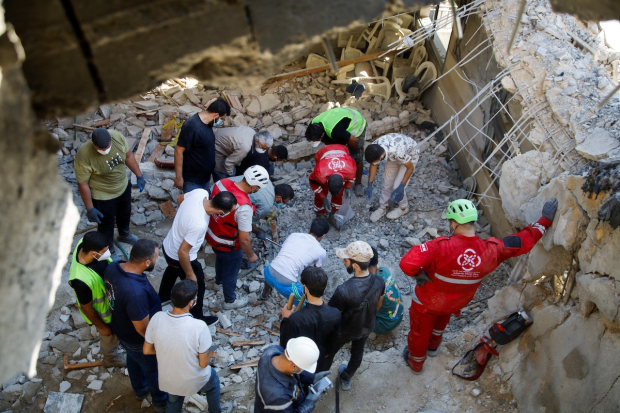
(301, 150)
(597, 145)
(542, 262)
(63, 403)
(189, 110)
(146, 104)
(158, 193)
(599, 251)
(65, 343)
(12, 392)
(602, 292)
(546, 319)
(505, 302)
(263, 104)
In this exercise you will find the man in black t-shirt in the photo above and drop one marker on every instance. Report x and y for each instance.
(316, 320)
(194, 155)
(358, 299)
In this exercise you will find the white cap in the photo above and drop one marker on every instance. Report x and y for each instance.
(256, 176)
(303, 352)
(358, 251)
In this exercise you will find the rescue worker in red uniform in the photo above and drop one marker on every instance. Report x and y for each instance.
(334, 172)
(229, 234)
(449, 270)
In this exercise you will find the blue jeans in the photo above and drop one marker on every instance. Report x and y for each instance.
(285, 290)
(143, 373)
(227, 266)
(212, 389)
(190, 186)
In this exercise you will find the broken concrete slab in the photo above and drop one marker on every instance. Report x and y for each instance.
(65, 343)
(597, 145)
(189, 110)
(299, 150)
(601, 291)
(262, 104)
(63, 403)
(599, 251)
(146, 104)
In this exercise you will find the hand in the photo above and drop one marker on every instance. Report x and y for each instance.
(104, 331)
(93, 215)
(261, 235)
(398, 193)
(422, 278)
(319, 376)
(313, 397)
(141, 182)
(253, 258)
(347, 192)
(549, 209)
(178, 182)
(286, 313)
(369, 191)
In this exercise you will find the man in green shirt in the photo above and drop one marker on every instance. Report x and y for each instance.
(391, 312)
(103, 184)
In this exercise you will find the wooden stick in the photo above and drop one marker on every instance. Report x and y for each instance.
(270, 331)
(81, 365)
(249, 363)
(248, 343)
(301, 302)
(291, 298)
(259, 322)
(156, 152)
(228, 333)
(142, 145)
(316, 69)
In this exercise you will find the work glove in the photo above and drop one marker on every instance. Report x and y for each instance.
(398, 193)
(141, 182)
(93, 215)
(261, 235)
(319, 376)
(313, 397)
(369, 191)
(347, 193)
(549, 209)
(422, 278)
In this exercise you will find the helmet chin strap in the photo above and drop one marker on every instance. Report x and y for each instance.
(451, 231)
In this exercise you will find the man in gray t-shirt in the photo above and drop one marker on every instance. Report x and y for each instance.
(182, 346)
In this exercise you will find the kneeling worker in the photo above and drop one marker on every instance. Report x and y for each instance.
(402, 154)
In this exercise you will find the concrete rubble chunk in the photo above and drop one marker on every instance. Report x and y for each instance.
(95, 385)
(65, 343)
(597, 145)
(64, 386)
(146, 104)
(12, 392)
(602, 292)
(63, 403)
(301, 149)
(262, 104)
(189, 110)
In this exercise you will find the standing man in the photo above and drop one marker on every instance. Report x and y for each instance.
(229, 235)
(315, 320)
(342, 126)
(299, 251)
(133, 302)
(233, 144)
(391, 313)
(280, 386)
(194, 155)
(181, 245)
(402, 154)
(334, 171)
(103, 185)
(449, 270)
(88, 263)
(358, 299)
(183, 362)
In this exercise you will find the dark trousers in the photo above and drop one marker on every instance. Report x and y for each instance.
(357, 354)
(118, 208)
(174, 271)
(143, 374)
(227, 266)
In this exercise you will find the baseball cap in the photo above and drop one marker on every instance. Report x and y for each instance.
(101, 138)
(358, 251)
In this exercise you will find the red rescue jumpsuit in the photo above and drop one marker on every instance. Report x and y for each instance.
(330, 160)
(457, 266)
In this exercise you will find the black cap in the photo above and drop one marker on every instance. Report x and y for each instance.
(334, 184)
(101, 138)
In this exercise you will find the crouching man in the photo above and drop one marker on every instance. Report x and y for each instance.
(183, 362)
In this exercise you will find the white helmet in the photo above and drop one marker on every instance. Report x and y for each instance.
(256, 176)
(303, 352)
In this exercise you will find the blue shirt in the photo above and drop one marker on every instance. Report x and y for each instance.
(131, 297)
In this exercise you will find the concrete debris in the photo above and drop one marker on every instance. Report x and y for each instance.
(597, 145)
(65, 343)
(63, 403)
(64, 386)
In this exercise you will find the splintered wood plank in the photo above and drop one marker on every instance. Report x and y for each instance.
(142, 145)
(242, 343)
(168, 209)
(228, 333)
(249, 363)
(81, 365)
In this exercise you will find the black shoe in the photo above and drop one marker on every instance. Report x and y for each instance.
(141, 397)
(210, 320)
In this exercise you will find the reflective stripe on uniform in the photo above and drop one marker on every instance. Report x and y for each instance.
(333, 153)
(220, 240)
(221, 186)
(457, 280)
(437, 332)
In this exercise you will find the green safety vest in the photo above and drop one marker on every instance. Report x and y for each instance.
(331, 117)
(89, 277)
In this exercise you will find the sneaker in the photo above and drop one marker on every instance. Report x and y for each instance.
(359, 190)
(344, 384)
(141, 397)
(417, 370)
(238, 303)
(397, 213)
(376, 216)
(131, 239)
(114, 360)
(435, 351)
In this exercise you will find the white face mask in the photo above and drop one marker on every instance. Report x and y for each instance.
(377, 162)
(107, 254)
(106, 151)
(260, 150)
(315, 143)
(218, 122)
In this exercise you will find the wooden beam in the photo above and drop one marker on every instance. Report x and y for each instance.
(249, 363)
(228, 333)
(77, 125)
(159, 149)
(81, 365)
(142, 145)
(242, 343)
(316, 69)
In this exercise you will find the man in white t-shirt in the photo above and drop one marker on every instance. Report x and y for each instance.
(299, 251)
(181, 245)
(182, 363)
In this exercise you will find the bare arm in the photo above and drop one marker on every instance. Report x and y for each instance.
(132, 164)
(185, 261)
(204, 358)
(86, 196)
(408, 172)
(148, 348)
(93, 316)
(353, 144)
(178, 166)
(246, 245)
(141, 325)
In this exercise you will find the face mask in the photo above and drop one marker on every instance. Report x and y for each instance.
(105, 152)
(218, 122)
(279, 204)
(195, 301)
(104, 257)
(350, 269)
(315, 143)
(260, 150)
(377, 162)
